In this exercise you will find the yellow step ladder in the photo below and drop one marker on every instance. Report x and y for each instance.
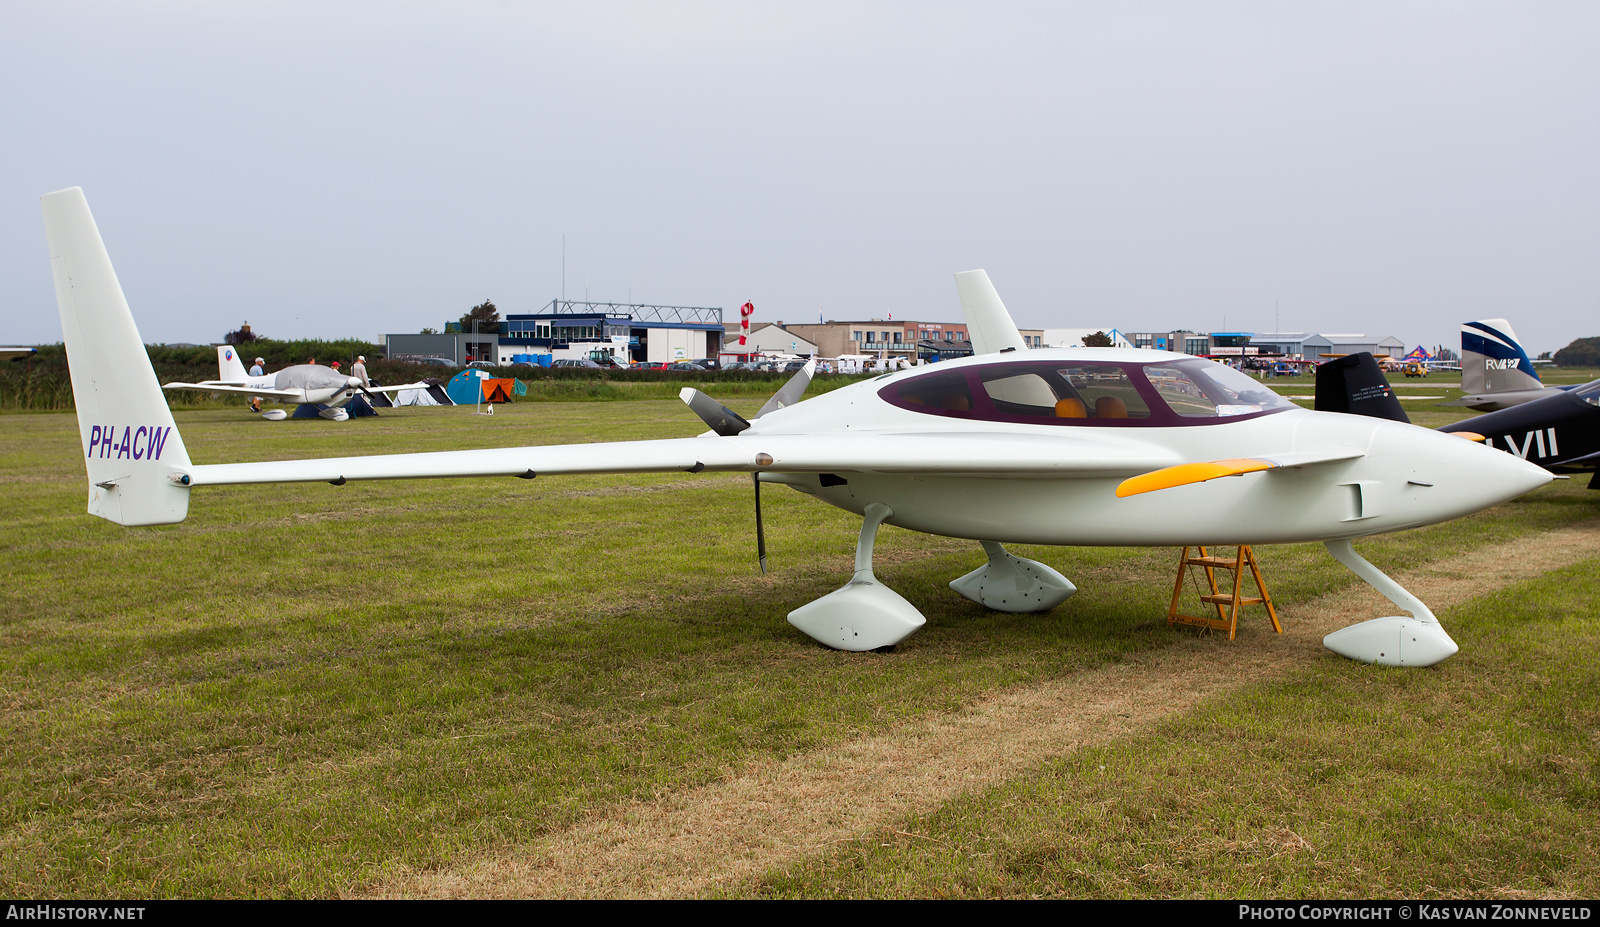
(1226, 603)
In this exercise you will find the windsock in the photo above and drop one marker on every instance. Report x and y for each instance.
(745, 312)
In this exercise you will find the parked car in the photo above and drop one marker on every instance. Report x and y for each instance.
(686, 367)
(576, 362)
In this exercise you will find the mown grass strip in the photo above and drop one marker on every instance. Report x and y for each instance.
(1477, 779)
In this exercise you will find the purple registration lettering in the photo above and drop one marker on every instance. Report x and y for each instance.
(158, 439)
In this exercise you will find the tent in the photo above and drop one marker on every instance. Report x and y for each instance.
(497, 389)
(434, 395)
(466, 387)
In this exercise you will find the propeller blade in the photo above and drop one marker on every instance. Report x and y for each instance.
(723, 420)
(792, 390)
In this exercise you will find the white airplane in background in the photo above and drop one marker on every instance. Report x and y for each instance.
(323, 388)
(9, 353)
(1087, 446)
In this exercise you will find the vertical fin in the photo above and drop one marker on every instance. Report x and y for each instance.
(988, 323)
(230, 366)
(1493, 361)
(133, 452)
(1355, 384)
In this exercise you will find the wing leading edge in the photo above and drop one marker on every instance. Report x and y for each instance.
(286, 395)
(1019, 456)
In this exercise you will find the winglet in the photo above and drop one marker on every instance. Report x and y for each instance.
(138, 466)
(989, 325)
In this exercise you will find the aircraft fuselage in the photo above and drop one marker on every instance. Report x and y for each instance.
(1560, 432)
(1404, 477)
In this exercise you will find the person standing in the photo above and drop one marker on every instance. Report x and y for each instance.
(359, 370)
(256, 370)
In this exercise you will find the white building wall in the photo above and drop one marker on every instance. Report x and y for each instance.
(670, 344)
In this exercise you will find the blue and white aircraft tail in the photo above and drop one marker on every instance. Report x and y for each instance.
(1495, 370)
(136, 460)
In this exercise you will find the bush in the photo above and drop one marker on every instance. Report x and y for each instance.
(1584, 352)
(41, 383)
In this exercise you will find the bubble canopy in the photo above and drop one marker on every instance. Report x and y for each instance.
(1088, 393)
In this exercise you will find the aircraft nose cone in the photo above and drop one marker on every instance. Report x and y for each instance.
(353, 381)
(1511, 474)
(1531, 476)
(1464, 476)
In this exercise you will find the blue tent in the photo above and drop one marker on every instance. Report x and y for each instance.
(465, 389)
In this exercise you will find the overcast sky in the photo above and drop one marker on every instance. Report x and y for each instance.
(333, 169)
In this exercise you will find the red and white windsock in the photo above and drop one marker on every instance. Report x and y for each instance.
(745, 312)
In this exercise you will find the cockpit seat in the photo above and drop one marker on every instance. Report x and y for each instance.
(1110, 407)
(1071, 407)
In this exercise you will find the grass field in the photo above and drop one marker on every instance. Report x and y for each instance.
(310, 691)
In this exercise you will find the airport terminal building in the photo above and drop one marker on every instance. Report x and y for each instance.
(634, 332)
(1314, 347)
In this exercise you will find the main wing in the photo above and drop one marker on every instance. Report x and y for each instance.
(974, 454)
(140, 472)
(286, 395)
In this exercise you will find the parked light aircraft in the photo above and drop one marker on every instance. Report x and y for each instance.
(323, 388)
(1495, 370)
(9, 353)
(1560, 432)
(1086, 446)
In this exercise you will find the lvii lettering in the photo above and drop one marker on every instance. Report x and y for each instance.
(1534, 441)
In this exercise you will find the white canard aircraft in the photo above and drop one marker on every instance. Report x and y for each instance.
(324, 389)
(1086, 446)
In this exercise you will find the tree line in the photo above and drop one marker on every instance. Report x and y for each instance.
(1583, 352)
